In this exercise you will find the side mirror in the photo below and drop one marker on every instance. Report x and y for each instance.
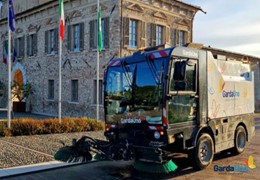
(179, 71)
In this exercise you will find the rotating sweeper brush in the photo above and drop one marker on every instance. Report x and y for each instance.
(88, 149)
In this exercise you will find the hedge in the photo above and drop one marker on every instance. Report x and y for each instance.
(27, 126)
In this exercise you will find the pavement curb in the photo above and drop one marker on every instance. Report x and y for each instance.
(13, 171)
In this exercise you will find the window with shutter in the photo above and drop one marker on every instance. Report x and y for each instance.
(159, 33)
(19, 47)
(51, 42)
(173, 37)
(106, 32)
(22, 45)
(133, 36)
(56, 40)
(143, 34)
(181, 38)
(153, 35)
(69, 46)
(186, 37)
(28, 45)
(35, 45)
(168, 35)
(177, 37)
(46, 42)
(76, 38)
(81, 25)
(126, 31)
(32, 44)
(92, 31)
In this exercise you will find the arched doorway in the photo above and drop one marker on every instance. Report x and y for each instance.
(18, 79)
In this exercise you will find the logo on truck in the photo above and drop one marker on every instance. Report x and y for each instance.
(230, 94)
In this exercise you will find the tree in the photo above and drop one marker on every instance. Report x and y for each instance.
(21, 91)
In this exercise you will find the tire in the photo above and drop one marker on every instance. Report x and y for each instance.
(204, 151)
(239, 140)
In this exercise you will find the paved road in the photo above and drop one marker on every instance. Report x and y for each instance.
(124, 170)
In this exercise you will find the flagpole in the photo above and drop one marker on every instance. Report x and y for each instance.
(9, 109)
(60, 54)
(61, 38)
(97, 101)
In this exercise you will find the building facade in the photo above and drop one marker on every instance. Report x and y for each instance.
(126, 26)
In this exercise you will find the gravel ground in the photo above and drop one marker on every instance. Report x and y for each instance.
(12, 155)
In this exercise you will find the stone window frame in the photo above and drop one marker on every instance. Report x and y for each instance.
(19, 46)
(141, 33)
(51, 89)
(101, 89)
(166, 34)
(32, 44)
(71, 37)
(93, 33)
(178, 41)
(51, 42)
(74, 90)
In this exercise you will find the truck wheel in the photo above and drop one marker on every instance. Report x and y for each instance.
(204, 151)
(240, 140)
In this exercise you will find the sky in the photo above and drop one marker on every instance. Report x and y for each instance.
(232, 25)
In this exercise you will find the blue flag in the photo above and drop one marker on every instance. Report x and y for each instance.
(11, 16)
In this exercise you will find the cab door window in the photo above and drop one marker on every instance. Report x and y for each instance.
(182, 106)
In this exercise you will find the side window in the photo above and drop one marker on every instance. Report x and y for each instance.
(188, 81)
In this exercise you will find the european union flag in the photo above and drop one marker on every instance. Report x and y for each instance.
(11, 16)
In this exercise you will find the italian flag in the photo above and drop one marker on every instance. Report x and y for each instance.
(62, 22)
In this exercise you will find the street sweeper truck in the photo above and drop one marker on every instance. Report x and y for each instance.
(178, 99)
(159, 101)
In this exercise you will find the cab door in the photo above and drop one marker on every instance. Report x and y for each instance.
(182, 98)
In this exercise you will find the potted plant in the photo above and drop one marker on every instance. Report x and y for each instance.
(20, 92)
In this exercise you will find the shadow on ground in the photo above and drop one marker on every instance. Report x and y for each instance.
(184, 167)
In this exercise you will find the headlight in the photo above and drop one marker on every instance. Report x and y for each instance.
(156, 135)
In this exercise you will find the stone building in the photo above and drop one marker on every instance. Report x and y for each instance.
(126, 26)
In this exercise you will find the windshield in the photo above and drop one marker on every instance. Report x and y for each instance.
(133, 93)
